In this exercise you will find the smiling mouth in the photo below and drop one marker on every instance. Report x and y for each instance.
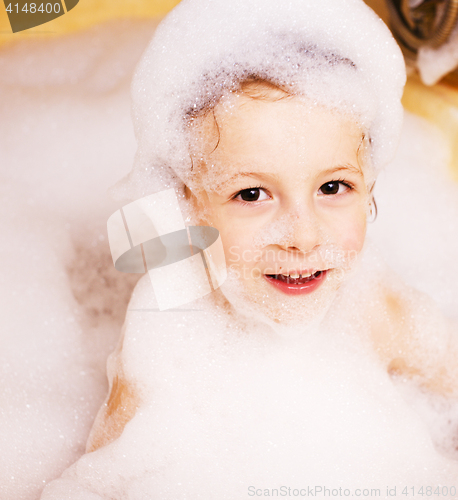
(296, 285)
(296, 281)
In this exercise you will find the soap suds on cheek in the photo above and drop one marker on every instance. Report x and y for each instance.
(248, 290)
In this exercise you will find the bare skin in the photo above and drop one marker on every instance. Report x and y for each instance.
(118, 409)
(395, 334)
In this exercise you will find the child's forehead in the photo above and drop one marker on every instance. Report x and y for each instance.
(290, 112)
(245, 140)
(242, 125)
(286, 167)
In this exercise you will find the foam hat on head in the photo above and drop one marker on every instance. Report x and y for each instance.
(336, 51)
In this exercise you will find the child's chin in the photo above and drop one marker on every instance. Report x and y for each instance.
(284, 314)
(292, 320)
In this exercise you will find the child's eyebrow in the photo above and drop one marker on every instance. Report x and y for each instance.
(263, 176)
(339, 168)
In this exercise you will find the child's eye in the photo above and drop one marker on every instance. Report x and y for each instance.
(334, 187)
(251, 195)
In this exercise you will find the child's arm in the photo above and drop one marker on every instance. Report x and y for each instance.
(118, 409)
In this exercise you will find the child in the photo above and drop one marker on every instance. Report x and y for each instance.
(273, 135)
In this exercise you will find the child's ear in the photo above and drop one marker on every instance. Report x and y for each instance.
(194, 196)
(371, 188)
(187, 192)
(372, 206)
(197, 201)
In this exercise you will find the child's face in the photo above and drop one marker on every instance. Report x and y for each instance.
(286, 190)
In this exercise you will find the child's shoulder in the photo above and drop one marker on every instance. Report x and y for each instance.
(410, 333)
(405, 322)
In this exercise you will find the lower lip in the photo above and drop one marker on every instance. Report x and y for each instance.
(299, 288)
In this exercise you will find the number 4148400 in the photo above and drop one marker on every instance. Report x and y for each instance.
(428, 491)
(32, 8)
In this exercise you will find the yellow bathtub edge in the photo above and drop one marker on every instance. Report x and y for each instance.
(439, 105)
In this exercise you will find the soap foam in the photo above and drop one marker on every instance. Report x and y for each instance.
(233, 405)
(65, 136)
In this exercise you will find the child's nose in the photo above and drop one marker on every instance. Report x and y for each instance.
(302, 230)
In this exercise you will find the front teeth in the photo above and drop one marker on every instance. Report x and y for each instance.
(296, 275)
